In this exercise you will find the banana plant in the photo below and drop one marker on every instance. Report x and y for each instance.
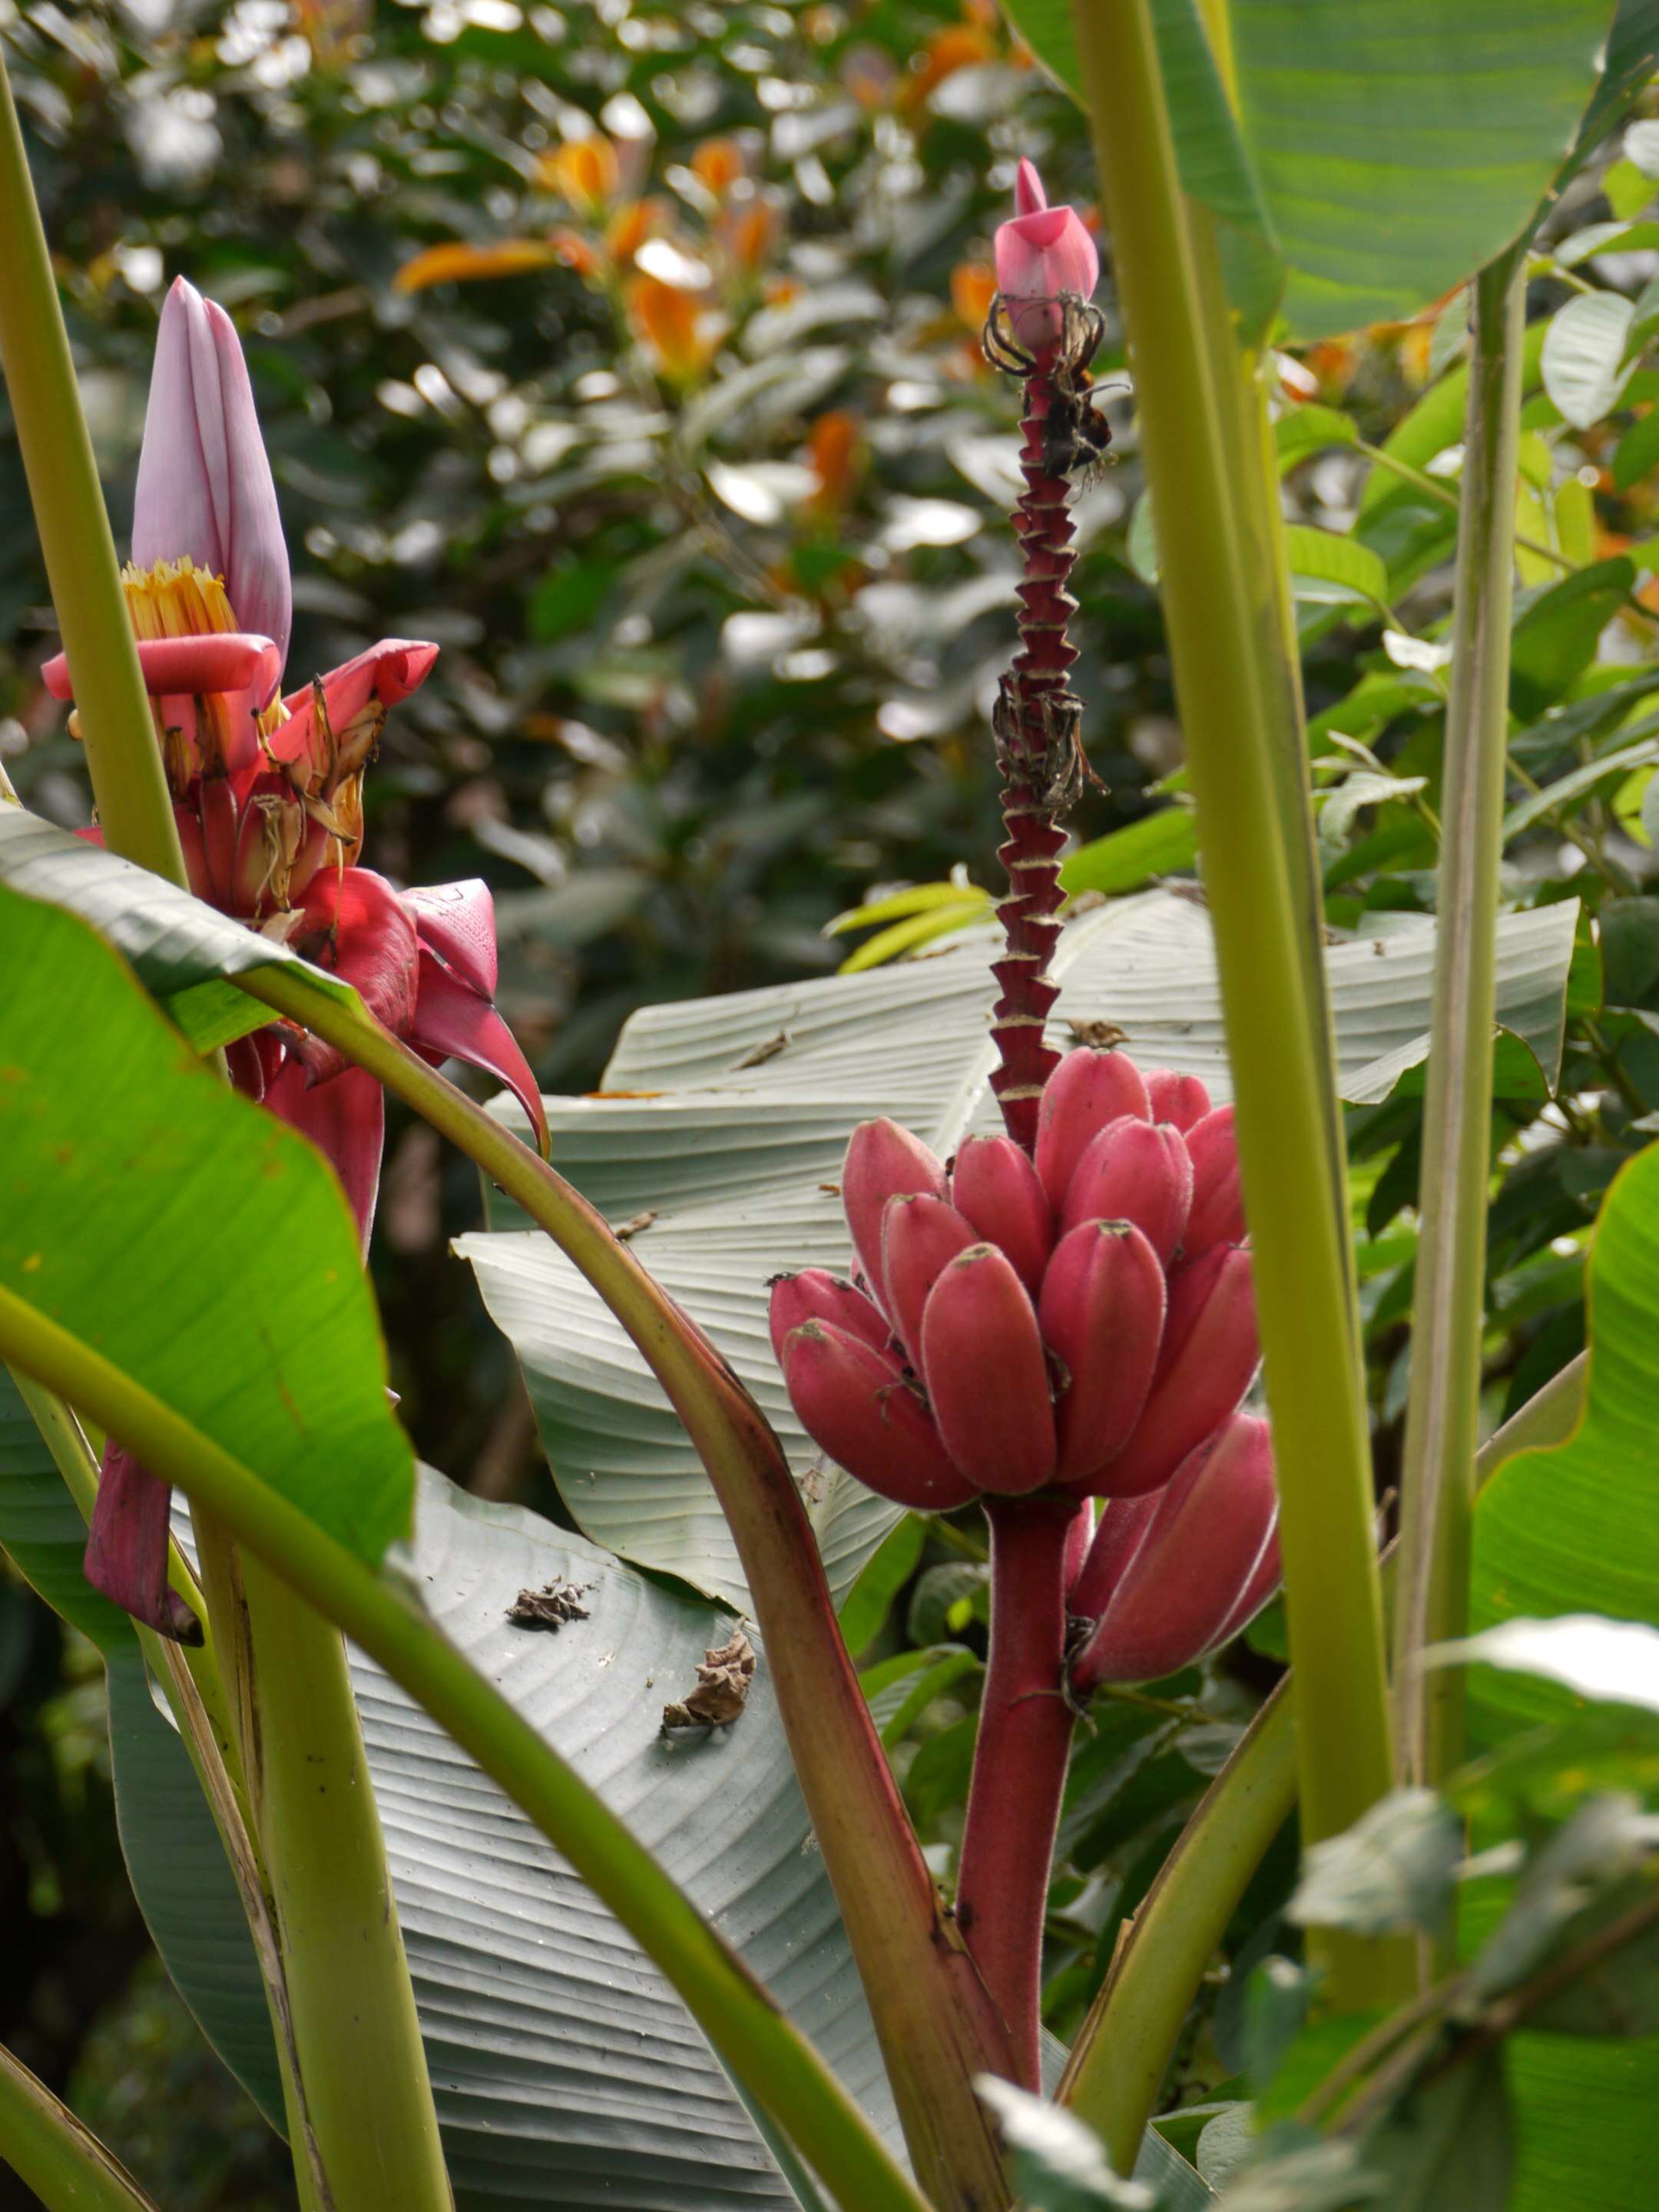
(505, 1864)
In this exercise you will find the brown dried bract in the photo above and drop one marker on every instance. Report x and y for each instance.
(725, 1677)
(1102, 1035)
(757, 1055)
(550, 1607)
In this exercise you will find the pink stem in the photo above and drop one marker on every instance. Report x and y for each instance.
(1036, 716)
(1019, 1763)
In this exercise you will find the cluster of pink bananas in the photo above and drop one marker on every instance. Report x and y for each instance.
(1080, 1321)
(267, 793)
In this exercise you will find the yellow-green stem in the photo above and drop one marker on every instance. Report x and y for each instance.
(125, 761)
(189, 1675)
(775, 2063)
(54, 2155)
(1225, 633)
(362, 2060)
(346, 2043)
(1123, 2050)
(1442, 1411)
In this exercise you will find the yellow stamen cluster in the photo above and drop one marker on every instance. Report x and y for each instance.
(175, 598)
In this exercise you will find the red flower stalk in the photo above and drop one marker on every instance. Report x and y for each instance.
(1042, 329)
(268, 796)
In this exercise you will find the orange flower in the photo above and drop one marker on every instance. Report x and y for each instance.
(959, 47)
(670, 327)
(1332, 362)
(457, 262)
(578, 252)
(632, 224)
(836, 455)
(973, 288)
(749, 233)
(585, 172)
(718, 162)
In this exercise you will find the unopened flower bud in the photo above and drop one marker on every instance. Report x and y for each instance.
(1089, 1089)
(816, 1295)
(883, 1161)
(1218, 1214)
(204, 487)
(919, 1236)
(1182, 1589)
(987, 1376)
(1101, 1312)
(1042, 253)
(1135, 1171)
(1209, 1355)
(994, 1187)
(1181, 1100)
(854, 1403)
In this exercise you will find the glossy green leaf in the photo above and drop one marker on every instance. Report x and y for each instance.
(1555, 637)
(871, 1598)
(183, 1885)
(1575, 1530)
(184, 1235)
(1394, 1869)
(1638, 451)
(1310, 428)
(1584, 362)
(183, 949)
(1455, 119)
(1449, 2147)
(1161, 844)
(1325, 557)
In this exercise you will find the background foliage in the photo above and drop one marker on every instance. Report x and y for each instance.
(630, 354)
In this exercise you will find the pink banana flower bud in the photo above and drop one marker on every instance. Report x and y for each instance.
(1089, 1089)
(1135, 1171)
(816, 1295)
(1218, 1214)
(1192, 1571)
(1208, 1358)
(994, 1187)
(204, 488)
(856, 1405)
(1181, 1100)
(1102, 1315)
(987, 1375)
(883, 1161)
(1043, 253)
(921, 1236)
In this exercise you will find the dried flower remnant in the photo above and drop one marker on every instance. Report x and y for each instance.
(725, 1674)
(552, 1607)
